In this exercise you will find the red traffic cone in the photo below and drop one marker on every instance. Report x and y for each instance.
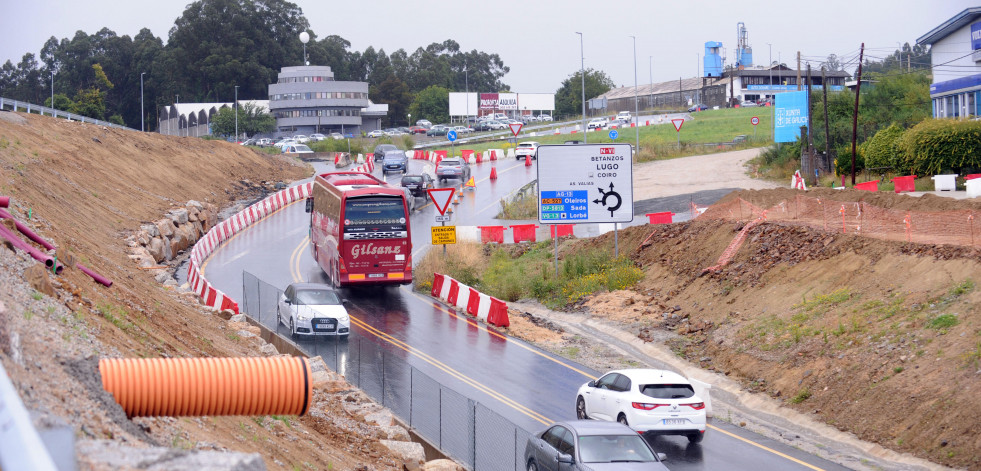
(527, 160)
(493, 175)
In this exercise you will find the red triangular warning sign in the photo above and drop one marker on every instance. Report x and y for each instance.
(515, 128)
(678, 123)
(441, 198)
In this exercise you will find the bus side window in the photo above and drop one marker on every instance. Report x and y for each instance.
(309, 205)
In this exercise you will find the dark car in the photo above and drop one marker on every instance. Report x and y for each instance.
(437, 130)
(418, 184)
(453, 167)
(380, 150)
(395, 161)
(587, 445)
(698, 108)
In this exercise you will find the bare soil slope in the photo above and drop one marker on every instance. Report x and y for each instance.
(879, 338)
(85, 188)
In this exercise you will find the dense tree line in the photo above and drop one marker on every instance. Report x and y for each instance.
(218, 44)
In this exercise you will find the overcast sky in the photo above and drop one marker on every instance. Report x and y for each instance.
(537, 39)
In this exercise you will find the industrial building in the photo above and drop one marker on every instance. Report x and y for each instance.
(955, 56)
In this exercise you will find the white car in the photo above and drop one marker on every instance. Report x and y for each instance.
(624, 116)
(317, 137)
(286, 142)
(598, 123)
(297, 149)
(313, 309)
(544, 117)
(462, 130)
(302, 139)
(376, 133)
(658, 402)
(336, 136)
(526, 148)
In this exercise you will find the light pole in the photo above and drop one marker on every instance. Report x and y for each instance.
(582, 75)
(636, 109)
(235, 105)
(466, 84)
(304, 37)
(770, 85)
(650, 70)
(142, 126)
(52, 91)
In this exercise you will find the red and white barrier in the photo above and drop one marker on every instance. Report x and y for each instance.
(224, 230)
(482, 306)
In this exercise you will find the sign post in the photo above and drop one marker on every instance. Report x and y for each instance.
(678, 122)
(587, 183)
(441, 199)
(754, 121)
(451, 136)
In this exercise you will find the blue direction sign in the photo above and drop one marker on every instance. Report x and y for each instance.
(451, 135)
(614, 134)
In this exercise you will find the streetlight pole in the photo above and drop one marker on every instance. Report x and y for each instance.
(236, 113)
(52, 91)
(582, 75)
(636, 108)
(142, 126)
(466, 84)
(650, 70)
(770, 85)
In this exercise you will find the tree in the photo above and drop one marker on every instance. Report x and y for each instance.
(833, 64)
(433, 104)
(568, 98)
(252, 120)
(396, 93)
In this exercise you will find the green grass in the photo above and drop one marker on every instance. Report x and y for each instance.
(802, 395)
(116, 315)
(943, 322)
(661, 141)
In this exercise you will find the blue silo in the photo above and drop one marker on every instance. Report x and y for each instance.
(744, 53)
(712, 63)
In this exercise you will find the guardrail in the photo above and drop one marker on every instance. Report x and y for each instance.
(16, 105)
(20, 444)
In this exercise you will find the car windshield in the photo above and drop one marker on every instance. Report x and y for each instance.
(614, 449)
(449, 163)
(316, 297)
(301, 148)
(380, 213)
(412, 179)
(395, 155)
(667, 391)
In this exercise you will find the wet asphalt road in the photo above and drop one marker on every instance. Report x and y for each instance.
(527, 386)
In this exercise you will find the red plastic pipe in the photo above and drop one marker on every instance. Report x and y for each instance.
(95, 276)
(153, 387)
(48, 260)
(4, 201)
(27, 231)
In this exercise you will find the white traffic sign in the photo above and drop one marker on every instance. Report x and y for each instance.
(515, 128)
(441, 197)
(585, 183)
(442, 218)
(678, 123)
(755, 120)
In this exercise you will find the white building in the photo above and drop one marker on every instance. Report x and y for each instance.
(955, 56)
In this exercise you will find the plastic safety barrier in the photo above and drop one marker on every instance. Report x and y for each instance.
(491, 234)
(660, 218)
(523, 232)
(904, 183)
(868, 186)
(560, 230)
(477, 304)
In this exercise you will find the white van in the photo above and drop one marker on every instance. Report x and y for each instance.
(624, 116)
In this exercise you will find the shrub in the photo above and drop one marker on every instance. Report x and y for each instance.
(880, 151)
(843, 163)
(940, 145)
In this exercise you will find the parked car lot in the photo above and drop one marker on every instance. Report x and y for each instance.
(589, 445)
(437, 130)
(651, 401)
(313, 309)
(453, 167)
(418, 184)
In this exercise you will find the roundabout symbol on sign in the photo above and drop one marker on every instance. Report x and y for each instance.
(614, 134)
(609, 194)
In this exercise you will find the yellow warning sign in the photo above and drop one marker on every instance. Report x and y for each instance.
(444, 235)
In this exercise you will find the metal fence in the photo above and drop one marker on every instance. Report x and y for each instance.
(460, 427)
(17, 105)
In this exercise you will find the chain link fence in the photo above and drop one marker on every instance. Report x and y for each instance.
(460, 427)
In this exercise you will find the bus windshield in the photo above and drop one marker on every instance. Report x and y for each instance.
(374, 214)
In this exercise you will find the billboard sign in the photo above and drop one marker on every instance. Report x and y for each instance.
(976, 36)
(488, 101)
(834, 88)
(585, 183)
(790, 113)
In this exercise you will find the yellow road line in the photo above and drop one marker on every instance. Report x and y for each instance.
(762, 447)
(452, 372)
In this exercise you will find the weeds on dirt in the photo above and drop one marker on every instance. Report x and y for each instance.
(943, 322)
(116, 315)
(802, 395)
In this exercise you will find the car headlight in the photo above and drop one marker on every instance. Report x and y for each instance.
(343, 318)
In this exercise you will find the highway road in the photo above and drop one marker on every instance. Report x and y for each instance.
(525, 385)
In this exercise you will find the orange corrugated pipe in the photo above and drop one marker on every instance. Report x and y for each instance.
(208, 386)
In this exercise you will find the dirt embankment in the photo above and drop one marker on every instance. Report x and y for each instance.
(85, 188)
(878, 338)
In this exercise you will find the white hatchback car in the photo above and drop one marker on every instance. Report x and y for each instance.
(313, 309)
(658, 402)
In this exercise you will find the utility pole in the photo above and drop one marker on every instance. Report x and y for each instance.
(582, 74)
(798, 71)
(827, 129)
(858, 88)
(636, 106)
(236, 113)
(650, 67)
(142, 128)
(810, 127)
